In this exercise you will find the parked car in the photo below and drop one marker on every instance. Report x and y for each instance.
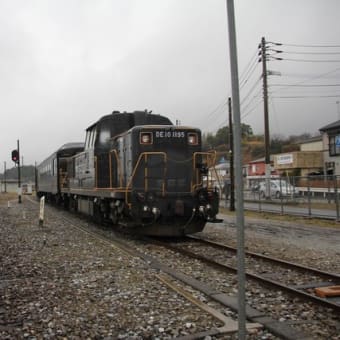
(278, 188)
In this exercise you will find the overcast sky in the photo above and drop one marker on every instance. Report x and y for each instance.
(64, 64)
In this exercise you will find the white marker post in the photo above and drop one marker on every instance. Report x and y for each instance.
(42, 209)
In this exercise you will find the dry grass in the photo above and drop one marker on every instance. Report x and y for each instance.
(286, 218)
(8, 196)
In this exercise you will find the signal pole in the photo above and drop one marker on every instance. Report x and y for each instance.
(19, 175)
(5, 177)
(266, 119)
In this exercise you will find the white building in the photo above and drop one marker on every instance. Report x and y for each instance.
(331, 148)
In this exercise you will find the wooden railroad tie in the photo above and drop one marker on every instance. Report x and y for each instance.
(327, 291)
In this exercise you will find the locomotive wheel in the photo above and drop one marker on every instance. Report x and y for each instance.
(114, 216)
(98, 214)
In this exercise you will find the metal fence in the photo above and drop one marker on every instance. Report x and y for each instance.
(312, 196)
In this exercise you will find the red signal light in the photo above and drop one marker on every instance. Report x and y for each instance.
(15, 156)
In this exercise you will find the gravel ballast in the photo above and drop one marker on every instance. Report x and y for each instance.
(57, 282)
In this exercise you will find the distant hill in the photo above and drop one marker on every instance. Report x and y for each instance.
(27, 173)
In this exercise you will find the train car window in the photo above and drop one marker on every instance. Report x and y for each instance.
(87, 139)
(145, 138)
(94, 133)
(104, 136)
(192, 138)
(54, 167)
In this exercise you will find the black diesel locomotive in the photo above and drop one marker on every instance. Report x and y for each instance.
(137, 170)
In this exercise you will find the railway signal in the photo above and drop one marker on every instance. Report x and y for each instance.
(16, 160)
(15, 156)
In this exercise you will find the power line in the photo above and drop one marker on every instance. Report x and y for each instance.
(296, 45)
(271, 100)
(251, 90)
(252, 109)
(257, 95)
(308, 75)
(312, 91)
(270, 55)
(300, 97)
(309, 60)
(246, 74)
(217, 108)
(312, 78)
(303, 52)
(308, 85)
(250, 72)
(248, 66)
(309, 53)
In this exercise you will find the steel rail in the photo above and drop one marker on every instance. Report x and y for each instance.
(288, 264)
(295, 292)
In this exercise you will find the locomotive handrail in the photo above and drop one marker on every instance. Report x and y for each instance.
(96, 172)
(144, 154)
(63, 178)
(110, 169)
(211, 155)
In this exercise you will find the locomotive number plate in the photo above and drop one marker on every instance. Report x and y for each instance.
(170, 134)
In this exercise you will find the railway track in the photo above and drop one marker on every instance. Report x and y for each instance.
(112, 239)
(295, 279)
(136, 248)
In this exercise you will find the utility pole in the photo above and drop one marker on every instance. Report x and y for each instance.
(266, 119)
(235, 89)
(231, 159)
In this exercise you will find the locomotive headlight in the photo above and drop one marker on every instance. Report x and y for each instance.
(156, 212)
(145, 138)
(192, 139)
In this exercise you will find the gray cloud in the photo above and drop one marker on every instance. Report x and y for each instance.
(65, 64)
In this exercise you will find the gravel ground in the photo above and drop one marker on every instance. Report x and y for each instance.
(57, 282)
